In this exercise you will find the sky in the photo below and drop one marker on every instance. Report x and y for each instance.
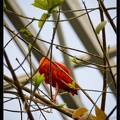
(81, 74)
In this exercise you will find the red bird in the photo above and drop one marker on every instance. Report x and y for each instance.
(59, 79)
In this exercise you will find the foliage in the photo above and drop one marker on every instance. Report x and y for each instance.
(49, 6)
(26, 32)
(38, 79)
(100, 26)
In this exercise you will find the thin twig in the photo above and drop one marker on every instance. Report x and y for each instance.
(108, 16)
(111, 112)
(104, 63)
(51, 46)
(47, 102)
(18, 87)
(17, 33)
(101, 49)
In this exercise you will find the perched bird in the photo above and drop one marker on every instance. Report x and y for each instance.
(59, 79)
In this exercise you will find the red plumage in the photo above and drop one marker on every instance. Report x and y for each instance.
(59, 79)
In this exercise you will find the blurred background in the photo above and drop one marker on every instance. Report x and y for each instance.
(74, 32)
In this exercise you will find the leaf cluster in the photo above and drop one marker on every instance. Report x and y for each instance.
(49, 6)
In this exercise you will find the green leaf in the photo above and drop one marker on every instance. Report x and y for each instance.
(42, 4)
(61, 105)
(100, 26)
(57, 3)
(38, 79)
(29, 47)
(48, 5)
(43, 18)
(54, 4)
(4, 5)
(26, 32)
(74, 60)
(79, 112)
(54, 10)
(100, 115)
(72, 86)
(49, 2)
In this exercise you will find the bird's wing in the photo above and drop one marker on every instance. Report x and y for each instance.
(64, 77)
(64, 68)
